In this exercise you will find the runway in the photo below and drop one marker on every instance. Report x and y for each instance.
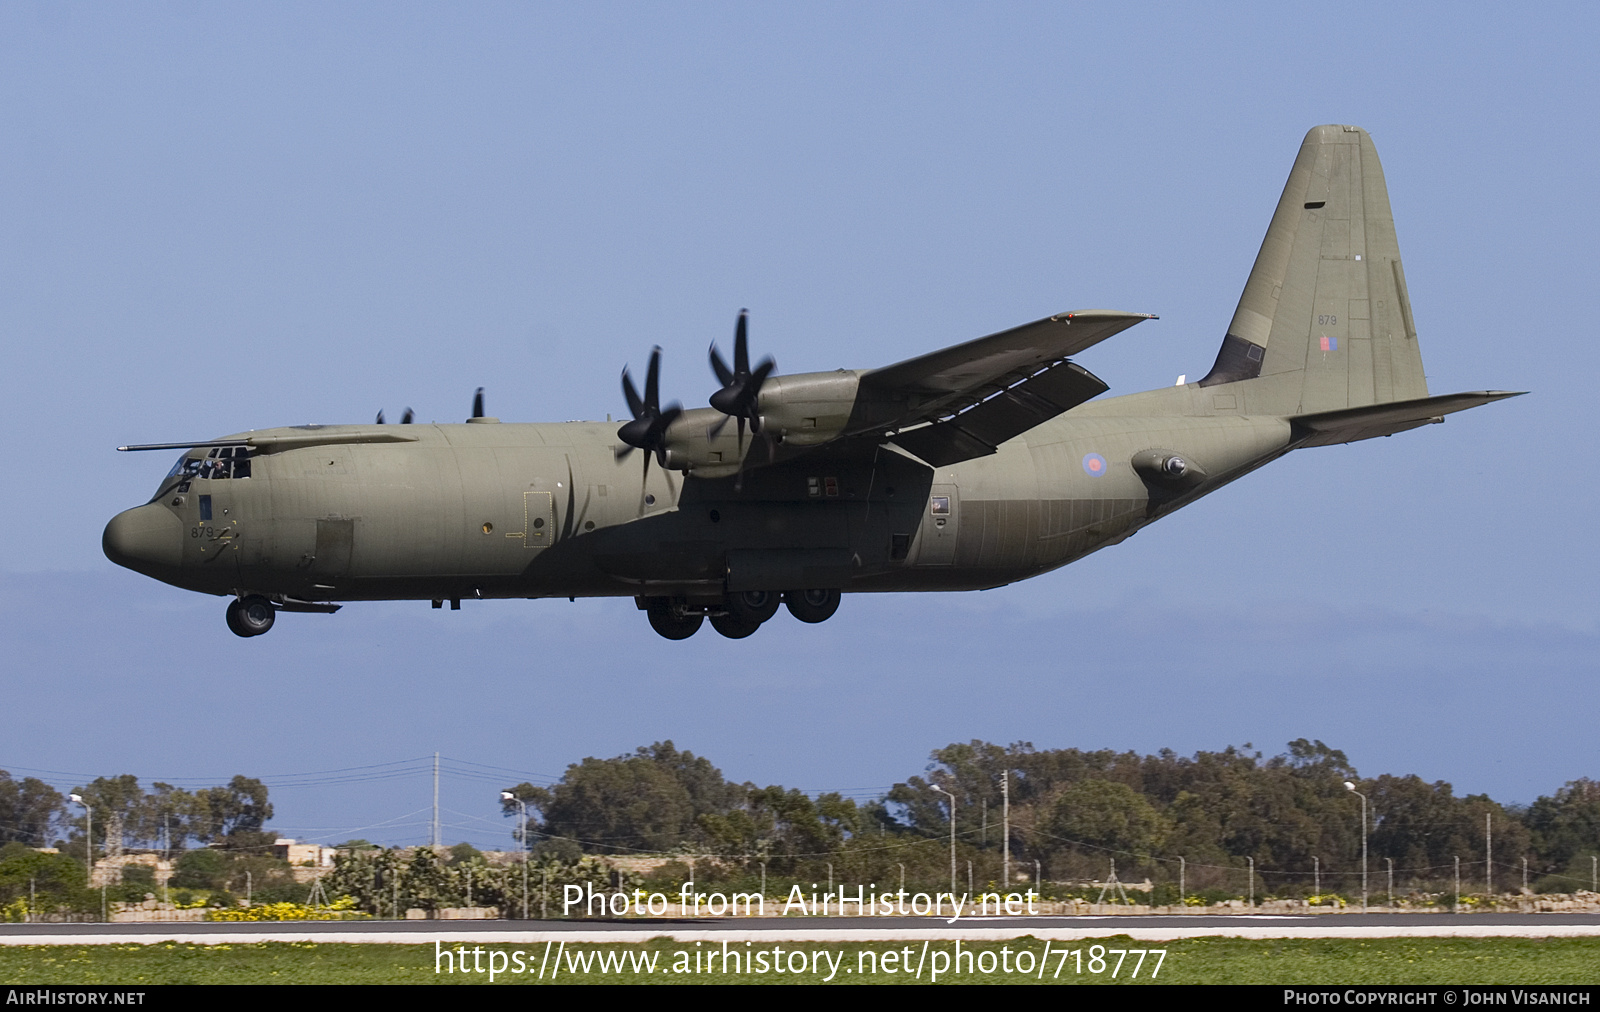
(816, 929)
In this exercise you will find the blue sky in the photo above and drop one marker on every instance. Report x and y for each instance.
(219, 218)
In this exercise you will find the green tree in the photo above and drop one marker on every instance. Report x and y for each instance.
(29, 810)
(651, 800)
(233, 816)
(117, 804)
(56, 882)
(1566, 826)
(1106, 816)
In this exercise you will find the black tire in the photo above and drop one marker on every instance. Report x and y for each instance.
(812, 605)
(669, 622)
(754, 605)
(251, 616)
(733, 627)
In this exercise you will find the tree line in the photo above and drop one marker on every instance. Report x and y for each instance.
(1204, 820)
(123, 815)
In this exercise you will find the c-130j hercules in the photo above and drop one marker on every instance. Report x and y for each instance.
(968, 468)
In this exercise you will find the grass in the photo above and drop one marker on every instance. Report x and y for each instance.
(1192, 961)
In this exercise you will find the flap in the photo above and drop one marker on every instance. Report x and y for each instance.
(977, 431)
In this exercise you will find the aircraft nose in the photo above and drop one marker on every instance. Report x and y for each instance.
(144, 539)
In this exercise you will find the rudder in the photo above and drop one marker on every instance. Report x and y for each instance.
(1325, 322)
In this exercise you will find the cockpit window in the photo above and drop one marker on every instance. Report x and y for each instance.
(226, 462)
(220, 462)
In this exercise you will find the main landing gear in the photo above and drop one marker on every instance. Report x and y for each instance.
(251, 616)
(736, 615)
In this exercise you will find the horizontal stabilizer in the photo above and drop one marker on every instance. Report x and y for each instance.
(1347, 425)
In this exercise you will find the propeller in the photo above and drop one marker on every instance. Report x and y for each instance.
(477, 404)
(741, 386)
(405, 419)
(380, 416)
(648, 430)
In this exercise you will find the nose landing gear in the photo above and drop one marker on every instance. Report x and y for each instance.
(251, 616)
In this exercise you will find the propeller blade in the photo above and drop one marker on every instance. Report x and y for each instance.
(406, 418)
(477, 404)
(635, 405)
(740, 393)
(652, 381)
(741, 344)
(724, 374)
(380, 417)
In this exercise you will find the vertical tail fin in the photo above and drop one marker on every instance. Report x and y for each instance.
(1324, 322)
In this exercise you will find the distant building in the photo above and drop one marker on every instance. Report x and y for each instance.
(303, 855)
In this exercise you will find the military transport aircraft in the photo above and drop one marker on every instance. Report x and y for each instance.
(963, 469)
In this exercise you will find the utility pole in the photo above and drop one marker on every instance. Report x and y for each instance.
(1183, 867)
(436, 841)
(1456, 908)
(1390, 861)
(1005, 828)
(1488, 856)
(1316, 876)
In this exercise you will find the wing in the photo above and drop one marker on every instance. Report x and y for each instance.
(964, 401)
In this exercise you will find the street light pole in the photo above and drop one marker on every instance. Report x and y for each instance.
(88, 852)
(1352, 789)
(508, 796)
(952, 798)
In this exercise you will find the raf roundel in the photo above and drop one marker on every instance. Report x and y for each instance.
(1094, 465)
